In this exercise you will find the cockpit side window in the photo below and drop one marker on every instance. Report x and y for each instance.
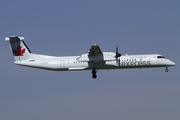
(160, 57)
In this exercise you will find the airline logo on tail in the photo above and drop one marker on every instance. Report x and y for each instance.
(18, 51)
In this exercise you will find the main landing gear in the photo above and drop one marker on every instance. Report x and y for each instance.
(94, 73)
(166, 70)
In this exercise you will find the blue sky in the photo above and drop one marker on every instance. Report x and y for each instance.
(70, 27)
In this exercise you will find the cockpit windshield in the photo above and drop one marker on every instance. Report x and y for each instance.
(160, 57)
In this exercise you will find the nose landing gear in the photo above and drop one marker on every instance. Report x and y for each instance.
(166, 70)
(94, 73)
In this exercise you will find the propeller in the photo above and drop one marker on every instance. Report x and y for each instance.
(117, 54)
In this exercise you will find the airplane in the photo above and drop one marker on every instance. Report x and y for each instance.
(94, 60)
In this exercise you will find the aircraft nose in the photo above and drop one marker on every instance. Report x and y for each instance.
(170, 63)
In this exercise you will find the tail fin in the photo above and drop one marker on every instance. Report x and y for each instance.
(19, 49)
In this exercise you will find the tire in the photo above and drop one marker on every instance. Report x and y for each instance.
(94, 76)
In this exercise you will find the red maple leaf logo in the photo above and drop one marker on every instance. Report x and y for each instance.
(19, 51)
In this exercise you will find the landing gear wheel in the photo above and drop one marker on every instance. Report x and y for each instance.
(166, 70)
(94, 73)
(94, 76)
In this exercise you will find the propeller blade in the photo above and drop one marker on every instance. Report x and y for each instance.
(117, 54)
(116, 49)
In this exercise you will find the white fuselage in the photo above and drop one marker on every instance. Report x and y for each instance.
(94, 60)
(83, 63)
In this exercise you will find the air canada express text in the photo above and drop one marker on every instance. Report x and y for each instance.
(135, 63)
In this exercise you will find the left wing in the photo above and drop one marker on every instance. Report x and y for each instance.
(93, 54)
(95, 50)
(96, 55)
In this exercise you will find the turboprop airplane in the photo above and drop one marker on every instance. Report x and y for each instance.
(94, 60)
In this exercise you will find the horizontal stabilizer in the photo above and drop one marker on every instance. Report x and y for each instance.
(14, 38)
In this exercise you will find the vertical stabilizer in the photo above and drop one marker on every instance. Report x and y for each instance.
(19, 49)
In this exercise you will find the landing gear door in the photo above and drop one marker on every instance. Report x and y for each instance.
(119, 62)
